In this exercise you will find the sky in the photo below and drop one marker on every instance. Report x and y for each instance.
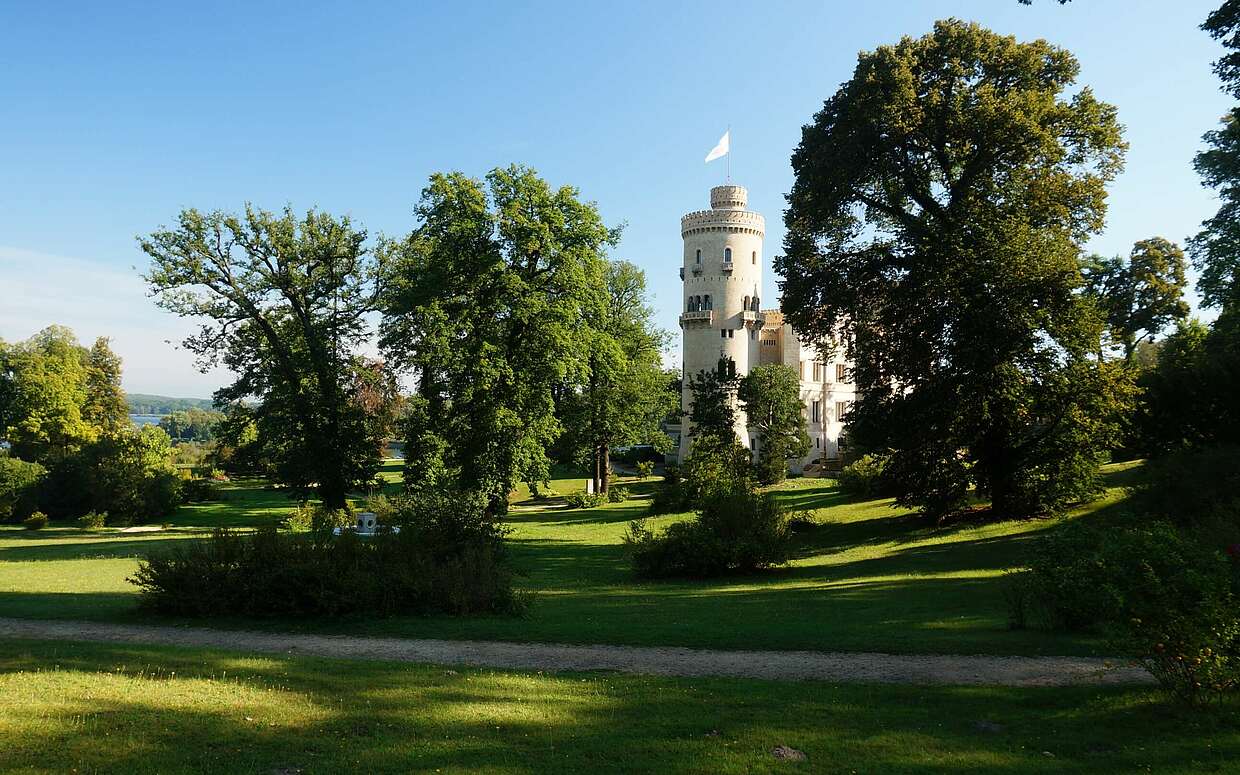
(114, 116)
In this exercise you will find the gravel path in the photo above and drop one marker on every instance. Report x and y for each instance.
(779, 665)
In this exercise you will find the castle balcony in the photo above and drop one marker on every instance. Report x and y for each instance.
(749, 316)
(727, 266)
(697, 269)
(701, 317)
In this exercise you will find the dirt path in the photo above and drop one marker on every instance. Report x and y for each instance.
(778, 665)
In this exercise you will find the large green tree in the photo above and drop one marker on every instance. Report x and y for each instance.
(1142, 295)
(47, 385)
(712, 402)
(771, 398)
(624, 396)
(940, 200)
(284, 301)
(105, 400)
(488, 303)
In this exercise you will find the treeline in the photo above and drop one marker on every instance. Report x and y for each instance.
(142, 403)
(71, 451)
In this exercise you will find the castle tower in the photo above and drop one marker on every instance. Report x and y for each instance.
(722, 276)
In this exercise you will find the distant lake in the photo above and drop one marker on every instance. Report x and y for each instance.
(141, 420)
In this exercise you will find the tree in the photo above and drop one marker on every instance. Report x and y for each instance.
(47, 388)
(105, 401)
(712, 406)
(940, 199)
(1140, 297)
(771, 398)
(625, 394)
(284, 303)
(487, 303)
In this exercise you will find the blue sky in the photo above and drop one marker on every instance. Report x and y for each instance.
(117, 115)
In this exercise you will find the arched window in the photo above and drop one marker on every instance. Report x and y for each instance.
(706, 301)
(746, 307)
(698, 303)
(699, 256)
(756, 307)
(727, 255)
(755, 257)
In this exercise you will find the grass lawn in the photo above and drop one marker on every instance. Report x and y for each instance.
(68, 707)
(866, 578)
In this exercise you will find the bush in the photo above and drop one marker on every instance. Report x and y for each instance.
(645, 469)
(200, 490)
(739, 531)
(36, 521)
(617, 494)
(584, 500)
(1164, 599)
(863, 478)
(446, 559)
(1194, 488)
(92, 520)
(19, 488)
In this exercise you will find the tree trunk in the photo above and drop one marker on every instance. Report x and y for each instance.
(605, 460)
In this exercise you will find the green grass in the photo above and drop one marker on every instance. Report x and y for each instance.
(866, 577)
(111, 708)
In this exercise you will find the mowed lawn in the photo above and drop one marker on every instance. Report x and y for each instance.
(866, 577)
(68, 707)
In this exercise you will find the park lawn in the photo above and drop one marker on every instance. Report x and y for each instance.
(866, 577)
(80, 707)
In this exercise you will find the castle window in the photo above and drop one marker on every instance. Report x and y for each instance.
(841, 409)
(727, 255)
(723, 333)
(755, 306)
(746, 303)
(731, 333)
(817, 411)
(817, 371)
(755, 257)
(706, 302)
(699, 256)
(841, 373)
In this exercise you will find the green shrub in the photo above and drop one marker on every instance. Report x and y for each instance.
(584, 500)
(740, 531)
(863, 478)
(446, 559)
(1194, 488)
(200, 490)
(92, 520)
(1164, 598)
(36, 521)
(19, 488)
(617, 494)
(645, 469)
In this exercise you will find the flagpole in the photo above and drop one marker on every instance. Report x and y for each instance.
(728, 177)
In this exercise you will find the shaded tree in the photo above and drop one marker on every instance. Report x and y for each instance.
(771, 398)
(712, 402)
(105, 401)
(284, 301)
(487, 304)
(940, 200)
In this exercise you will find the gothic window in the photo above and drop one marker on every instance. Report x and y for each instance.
(699, 257)
(756, 306)
(746, 303)
(706, 302)
(727, 255)
(755, 257)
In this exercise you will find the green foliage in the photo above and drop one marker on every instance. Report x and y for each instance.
(1168, 600)
(191, 424)
(771, 398)
(446, 559)
(237, 448)
(585, 500)
(1139, 297)
(283, 302)
(644, 469)
(105, 406)
(19, 487)
(36, 521)
(863, 478)
(1195, 488)
(485, 302)
(711, 408)
(92, 520)
(145, 403)
(734, 532)
(128, 474)
(625, 394)
(934, 227)
(199, 490)
(46, 387)
(617, 494)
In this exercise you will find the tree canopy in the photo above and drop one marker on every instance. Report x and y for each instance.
(283, 302)
(940, 199)
(487, 303)
(771, 398)
(1142, 295)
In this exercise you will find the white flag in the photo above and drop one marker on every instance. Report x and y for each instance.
(720, 149)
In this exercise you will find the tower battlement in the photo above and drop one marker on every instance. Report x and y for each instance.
(729, 198)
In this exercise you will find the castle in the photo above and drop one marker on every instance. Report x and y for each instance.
(722, 317)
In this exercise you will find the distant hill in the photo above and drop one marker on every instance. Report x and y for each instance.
(141, 403)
